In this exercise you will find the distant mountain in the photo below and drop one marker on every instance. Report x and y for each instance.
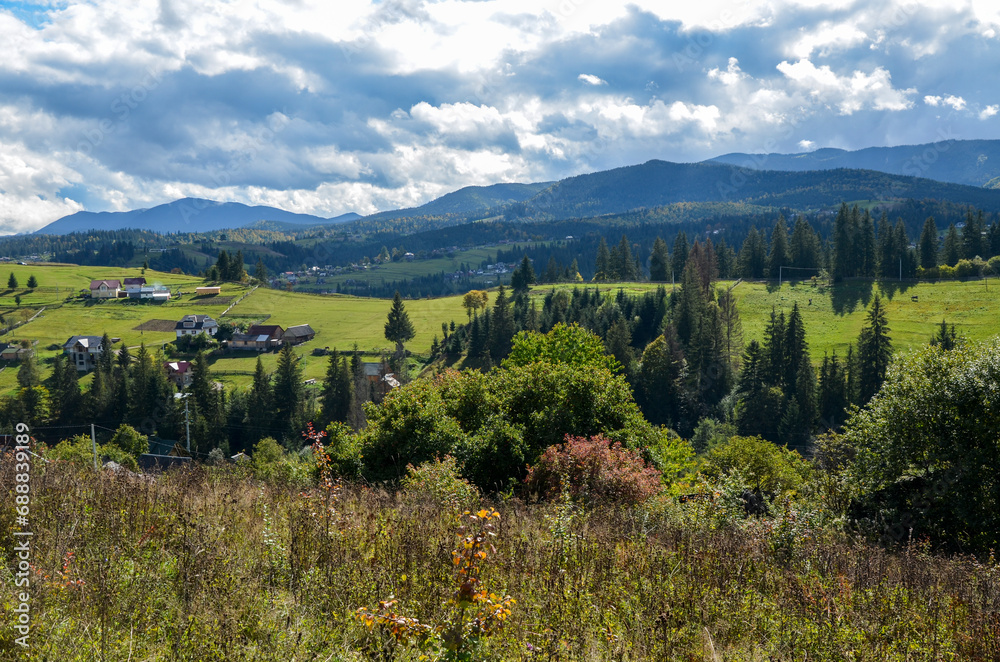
(972, 162)
(186, 215)
(468, 200)
(658, 183)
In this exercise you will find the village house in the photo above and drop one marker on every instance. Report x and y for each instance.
(132, 286)
(179, 372)
(379, 375)
(154, 293)
(83, 351)
(192, 325)
(258, 337)
(16, 351)
(299, 333)
(105, 289)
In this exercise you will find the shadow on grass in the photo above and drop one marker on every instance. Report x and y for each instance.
(890, 288)
(846, 296)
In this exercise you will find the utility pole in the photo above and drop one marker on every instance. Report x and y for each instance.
(93, 440)
(187, 426)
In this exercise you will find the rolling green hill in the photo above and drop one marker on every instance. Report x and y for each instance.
(833, 316)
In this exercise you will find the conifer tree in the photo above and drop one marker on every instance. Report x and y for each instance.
(867, 257)
(795, 349)
(874, 351)
(398, 328)
(952, 249)
(336, 390)
(833, 396)
(603, 262)
(288, 391)
(778, 255)
(929, 244)
(679, 256)
(501, 327)
(659, 262)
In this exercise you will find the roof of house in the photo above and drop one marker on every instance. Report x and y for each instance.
(86, 341)
(250, 337)
(200, 321)
(269, 330)
(135, 281)
(372, 369)
(180, 367)
(94, 284)
(299, 330)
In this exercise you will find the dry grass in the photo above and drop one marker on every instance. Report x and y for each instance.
(213, 565)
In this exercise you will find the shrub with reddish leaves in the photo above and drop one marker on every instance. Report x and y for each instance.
(595, 469)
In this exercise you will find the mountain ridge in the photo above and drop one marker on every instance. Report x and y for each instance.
(969, 162)
(185, 214)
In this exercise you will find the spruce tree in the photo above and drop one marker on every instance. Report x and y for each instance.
(398, 328)
(874, 351)
(260, 271)
(795, 349)
(288, 392)
(603, 262)
(679, 256)
(929, 244)
(501, 327)
(523, 276)
(12, 282)
(752, 260)
(32, 281)
(867, 258)
(336, 403)
(778, 255)
(804, 246)
(833, 396)
(952, 249)
(659, 262)
(843, 243)
(773, 366)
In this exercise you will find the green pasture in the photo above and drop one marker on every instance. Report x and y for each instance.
(836, 314)
(379, 274)
(833, 316)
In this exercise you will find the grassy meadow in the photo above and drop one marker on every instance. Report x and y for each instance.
(218, 564)
(833, 316)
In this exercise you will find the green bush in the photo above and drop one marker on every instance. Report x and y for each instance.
(439, 481)
(765, 466)
(343, 448)
(130, 440)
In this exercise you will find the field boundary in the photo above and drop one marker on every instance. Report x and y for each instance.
(233, 304)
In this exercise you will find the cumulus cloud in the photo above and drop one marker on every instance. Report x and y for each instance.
(332, 107)
(958, 103)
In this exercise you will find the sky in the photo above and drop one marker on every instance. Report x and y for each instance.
(327, 107)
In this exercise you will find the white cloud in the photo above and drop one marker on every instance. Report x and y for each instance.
(958, 103)
(391, 103)
(848, 94)
(827, 38)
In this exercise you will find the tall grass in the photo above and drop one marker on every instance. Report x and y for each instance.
(210, 564)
